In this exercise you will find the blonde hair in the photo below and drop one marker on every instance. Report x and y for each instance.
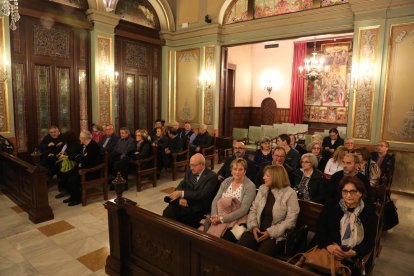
(279, 176)
(143, 132)
(239, 161)
(339, 153)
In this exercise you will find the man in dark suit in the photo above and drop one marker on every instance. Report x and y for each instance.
(192, 198)
(292, 156)
(109, 141)
(50, 147)
(239, 150)
(89, 156)
(202, 140)
(174, 144)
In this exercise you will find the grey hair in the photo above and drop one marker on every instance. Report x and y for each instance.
(312, 159)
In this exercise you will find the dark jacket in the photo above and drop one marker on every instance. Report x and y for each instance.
(327, 143)
(203, 140)
(292, 158)
(142, 150)
(175, 144)
(45, 150)
(113, 139)
(199, 196)
(316, 184)
(90, 156)
(387, 165)
(328, 228)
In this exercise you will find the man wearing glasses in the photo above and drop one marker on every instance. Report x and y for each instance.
(239, 150)
(109, 141)
(192, 198)
(350, 163)
(385, 160)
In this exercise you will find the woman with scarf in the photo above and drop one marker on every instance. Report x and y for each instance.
(232, 203)
(347, 229)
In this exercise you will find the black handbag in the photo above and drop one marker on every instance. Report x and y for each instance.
(296, 240)
(390, 215)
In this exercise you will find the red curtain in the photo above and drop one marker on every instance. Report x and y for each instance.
(297, 93)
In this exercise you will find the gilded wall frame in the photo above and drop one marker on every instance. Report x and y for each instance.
(364, 81)
(398, 115)
(104, 79)
(187, 68)
(209, 66)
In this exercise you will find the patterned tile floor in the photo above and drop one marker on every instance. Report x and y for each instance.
(76, 241)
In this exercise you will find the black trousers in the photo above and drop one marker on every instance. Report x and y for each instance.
(268, 246)
(183, 214)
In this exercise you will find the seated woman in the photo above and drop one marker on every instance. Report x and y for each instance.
(237, 191)
(97, 133)
(368, 167)
(142, 151)
(335, 163)
(315, 148)
(347, 229)
(274, 210)
(263, 156)
(308, 181)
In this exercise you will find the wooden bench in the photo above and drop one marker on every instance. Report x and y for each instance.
(143, 243)
(26, 185)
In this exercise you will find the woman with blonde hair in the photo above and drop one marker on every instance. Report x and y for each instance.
(335, 163)
(274, 211)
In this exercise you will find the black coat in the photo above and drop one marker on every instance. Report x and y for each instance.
(225, 170)
(316, 184)
(387, 165)
(327, 144)
(113, 139)
(328, 228)
(45, 150)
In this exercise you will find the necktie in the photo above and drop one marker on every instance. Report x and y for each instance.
(83, 150)
(194, 179)
(106, 142)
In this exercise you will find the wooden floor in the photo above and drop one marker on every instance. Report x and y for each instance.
(76, 241)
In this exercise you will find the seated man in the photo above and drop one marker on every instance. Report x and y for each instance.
(350, 163)
(109, 140)
(385, 160)
(89, 157)
(278, 158)
(50, 147)
(122, 149)
(295, 145)
(192, 198)
(189, 133)
(202, 140)
(180, 132)
(174, 144)
(239, 150)
(292, 155)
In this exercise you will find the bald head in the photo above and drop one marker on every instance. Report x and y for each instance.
(197, 163)
(239, 149)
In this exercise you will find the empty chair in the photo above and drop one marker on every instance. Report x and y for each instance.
(240, 134)
(89, 187)
(147, 168)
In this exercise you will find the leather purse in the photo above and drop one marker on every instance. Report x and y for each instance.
(296, 240)
(320, 260)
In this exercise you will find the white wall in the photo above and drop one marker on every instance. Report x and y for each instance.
(241, 56)
(254, 65)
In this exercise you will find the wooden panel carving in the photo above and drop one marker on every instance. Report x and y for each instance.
(364, 86)
(243, 117)
(398, 120)
(136, 56)
(187, 90)
(268, 111)
(52, 42)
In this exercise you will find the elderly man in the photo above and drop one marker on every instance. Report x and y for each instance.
(385, 160)
(180, 132)
(292, 155)
(349, 144)
(174, 144)
(50, 147)
(239, 150)
(124, 147)
(109, 141)
(89, 156)
(350, 164)
(189, 133)
(278, 158)
(192, 198)
(202, 140)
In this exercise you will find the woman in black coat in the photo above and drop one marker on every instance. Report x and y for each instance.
(308, 180)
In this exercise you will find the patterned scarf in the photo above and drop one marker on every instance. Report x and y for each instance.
(352, 230)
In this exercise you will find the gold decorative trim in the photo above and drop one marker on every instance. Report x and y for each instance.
(364, 81)
(104, 79)
(209, 66)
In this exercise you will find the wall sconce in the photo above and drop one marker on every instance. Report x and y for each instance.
(206, 79)
(268, 86)
(109, 5)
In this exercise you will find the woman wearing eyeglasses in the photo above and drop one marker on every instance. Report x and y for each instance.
(347, 229)
(315, 147)
(308, 181)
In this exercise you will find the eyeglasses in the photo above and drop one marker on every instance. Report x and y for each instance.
(238, 148)
(194, 165)
(279, 156)
(349, 192)
(304, 161)
(316, 148)
(381, 145)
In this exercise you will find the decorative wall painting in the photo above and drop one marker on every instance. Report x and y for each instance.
(265, 8)
(326, 3)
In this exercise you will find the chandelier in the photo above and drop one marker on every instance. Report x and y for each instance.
(313, 68)
(11, 8)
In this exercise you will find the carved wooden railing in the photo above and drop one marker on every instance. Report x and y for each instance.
(143, 243)
(26, 185)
